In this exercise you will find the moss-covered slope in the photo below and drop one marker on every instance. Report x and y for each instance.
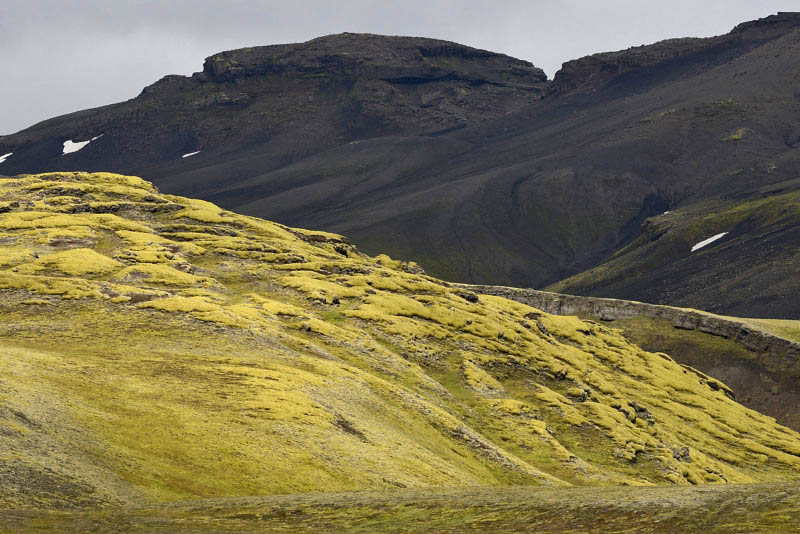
(749, 270)
(155, 348)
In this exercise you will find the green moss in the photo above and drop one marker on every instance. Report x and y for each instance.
(162, 274)
(179, 362)
(738, 135)
(74, 262)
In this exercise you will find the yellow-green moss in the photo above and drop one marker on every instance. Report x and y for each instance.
(480, 381)
(163, 274)
(738, 135)
(75, 262)
(232, 356)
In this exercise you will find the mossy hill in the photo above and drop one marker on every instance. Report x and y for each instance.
(155, 348)
(475, 165)
(758, 359)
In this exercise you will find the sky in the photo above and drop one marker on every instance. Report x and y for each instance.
(60, 56)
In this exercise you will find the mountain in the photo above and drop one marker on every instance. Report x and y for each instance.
(269, 106)
(476, 166)
(155, 348)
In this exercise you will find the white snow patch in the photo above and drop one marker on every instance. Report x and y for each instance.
(72, 146)
(705, 242)
(191, 154)
(5, 157)
(665, 212)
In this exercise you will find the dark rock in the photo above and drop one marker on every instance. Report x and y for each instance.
(394, 138)
(592, 72)
(642, 412)
(469, 297)
(542, 328)
(682, 454)
(348, 427)
(582, 397)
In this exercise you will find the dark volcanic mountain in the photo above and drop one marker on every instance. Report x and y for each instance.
(473, 164)
(259, 109)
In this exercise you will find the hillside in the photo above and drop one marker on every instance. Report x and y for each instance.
(476, 166)
(758, 359)
(156, 348)
(669, 261)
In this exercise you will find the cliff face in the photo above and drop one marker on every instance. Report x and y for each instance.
(611, 309)
(376, 57)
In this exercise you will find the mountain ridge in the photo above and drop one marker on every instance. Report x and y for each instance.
(489, 183)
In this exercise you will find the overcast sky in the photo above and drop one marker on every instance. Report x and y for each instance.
(59, 56)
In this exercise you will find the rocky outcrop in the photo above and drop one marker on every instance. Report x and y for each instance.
(673, 57)
(784, 355)
(367, 56)
(591, 72)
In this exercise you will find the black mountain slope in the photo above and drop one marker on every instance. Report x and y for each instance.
(476, 166)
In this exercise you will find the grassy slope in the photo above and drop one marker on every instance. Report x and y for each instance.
(757, 380)
(752, 269)
(167, 349)
(785, 328)
(741, 509)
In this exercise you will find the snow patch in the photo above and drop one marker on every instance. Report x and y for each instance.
(5, 157)
(191, 154)
(705, 242)
(72, 146)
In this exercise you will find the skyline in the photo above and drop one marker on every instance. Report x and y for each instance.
(66, 56)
